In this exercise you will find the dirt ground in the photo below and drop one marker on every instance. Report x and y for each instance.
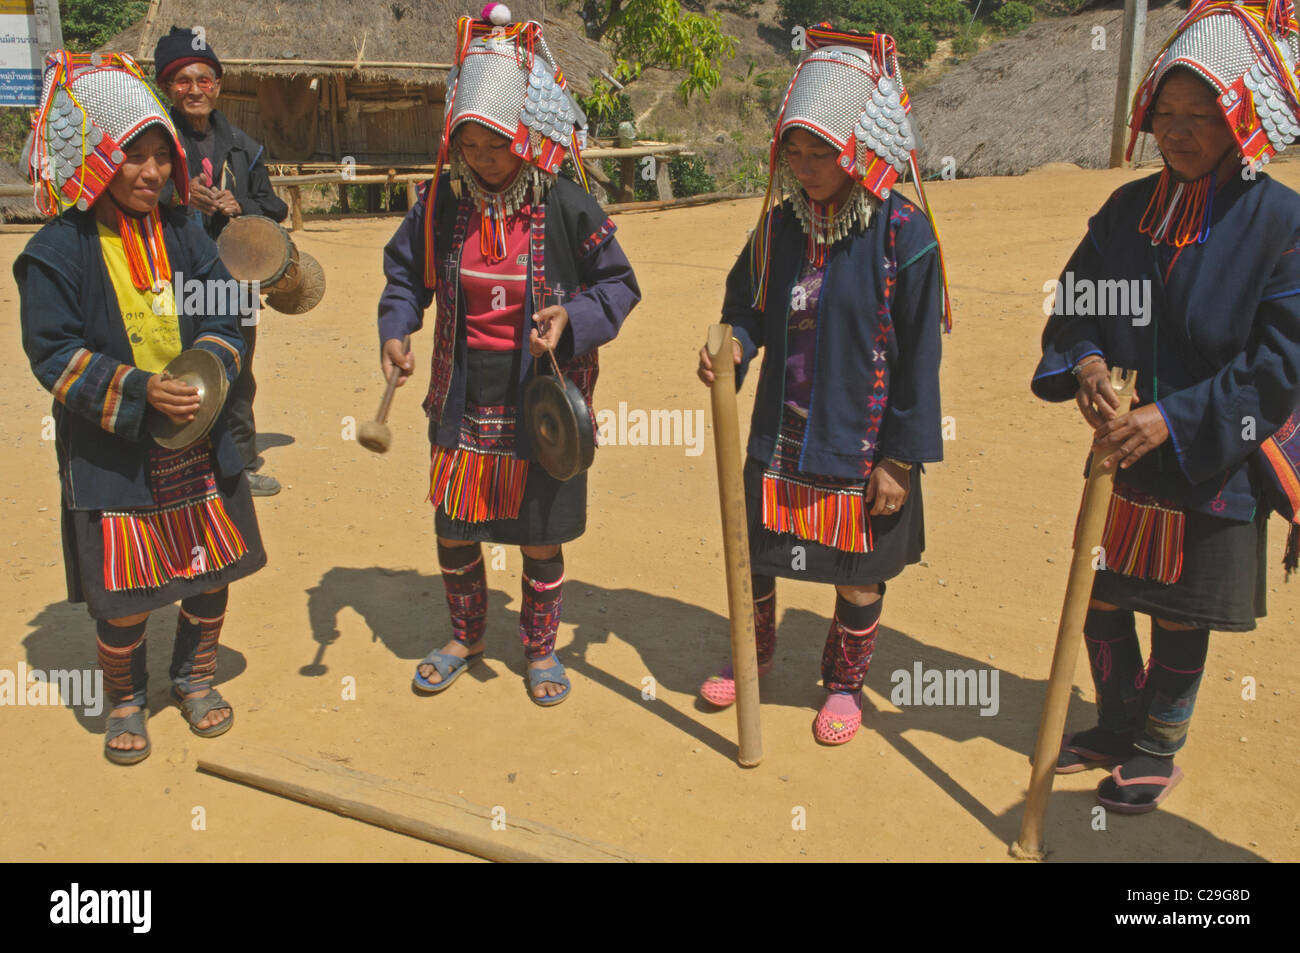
(353, 591)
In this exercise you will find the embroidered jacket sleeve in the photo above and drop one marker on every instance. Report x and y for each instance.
(1068, 338)
(912, 428)
(611, 290)
(405, 297)
(1218, 422)
(738, 311)
(218, 333)
(91, 384)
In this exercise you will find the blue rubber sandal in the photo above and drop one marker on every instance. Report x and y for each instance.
(555, 675)
(133, 724)
(449, 667)
(194, 710)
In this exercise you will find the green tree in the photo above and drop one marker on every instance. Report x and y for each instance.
(916, 44)
(89, 24)
(1012, 17)
(866, 16)
(656, 34)
(947, 18)
(805, 13)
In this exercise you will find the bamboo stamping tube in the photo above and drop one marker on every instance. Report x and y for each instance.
(1078, 592)
(735, 542)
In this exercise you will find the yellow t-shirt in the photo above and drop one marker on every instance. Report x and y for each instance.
(150, 319)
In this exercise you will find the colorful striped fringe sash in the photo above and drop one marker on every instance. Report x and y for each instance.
(1143, 537)
(186, 535)
(481, 479)
(820, 509)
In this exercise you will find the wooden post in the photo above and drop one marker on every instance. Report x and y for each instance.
(1069, 633)
(662, 178)
(295, 207)
(735, 543)
(412, 194)
(344, 201)
(1131, 58)
(141, 49)
(627, 175)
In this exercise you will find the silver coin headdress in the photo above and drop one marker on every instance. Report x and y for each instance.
(506, 80)
(848, 91)
(1247, 53)
(92, 105)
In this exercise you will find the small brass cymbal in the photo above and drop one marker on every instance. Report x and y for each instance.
(203, 370)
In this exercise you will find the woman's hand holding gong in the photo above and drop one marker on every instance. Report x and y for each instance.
(551, 322)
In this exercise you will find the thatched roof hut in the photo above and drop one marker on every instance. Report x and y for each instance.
(17, 208)
(1044, 95)
(317, 81)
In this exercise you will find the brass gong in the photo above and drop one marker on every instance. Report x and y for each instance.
(201, 369)
(559, 425)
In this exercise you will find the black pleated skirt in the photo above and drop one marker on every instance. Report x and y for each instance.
(897, 541)
(1223, 585)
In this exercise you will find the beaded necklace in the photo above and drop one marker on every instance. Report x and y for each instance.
(1182, 218)
(823, 222)
(146, 252)
(530, 184)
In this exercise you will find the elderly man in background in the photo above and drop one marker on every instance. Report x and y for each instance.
(227, 179)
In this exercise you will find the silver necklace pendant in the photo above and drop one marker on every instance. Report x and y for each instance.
(530, 184)
(828, 229)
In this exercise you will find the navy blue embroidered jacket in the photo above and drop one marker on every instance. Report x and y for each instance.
(77, 344)
(236, 165)
(585, 269)
(875, 390)
(1217, 347)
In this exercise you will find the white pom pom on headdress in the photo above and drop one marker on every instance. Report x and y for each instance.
(496, 13)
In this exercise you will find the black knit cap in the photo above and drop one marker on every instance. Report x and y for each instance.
(179, 49)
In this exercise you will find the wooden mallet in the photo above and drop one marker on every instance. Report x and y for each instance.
(1078, 592)
(375, 434)
(735, 543)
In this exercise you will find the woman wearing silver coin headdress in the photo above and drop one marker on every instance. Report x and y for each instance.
(1210, 446)
(842, 286)
(522, 262)
(143, 525)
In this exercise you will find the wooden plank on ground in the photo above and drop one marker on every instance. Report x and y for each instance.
(406, 808)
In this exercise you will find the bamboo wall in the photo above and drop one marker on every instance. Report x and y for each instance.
(374, 121)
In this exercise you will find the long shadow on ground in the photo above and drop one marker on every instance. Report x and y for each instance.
(64, 639)
(681, 644)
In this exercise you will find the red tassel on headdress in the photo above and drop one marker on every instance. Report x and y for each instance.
(1280, 17)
